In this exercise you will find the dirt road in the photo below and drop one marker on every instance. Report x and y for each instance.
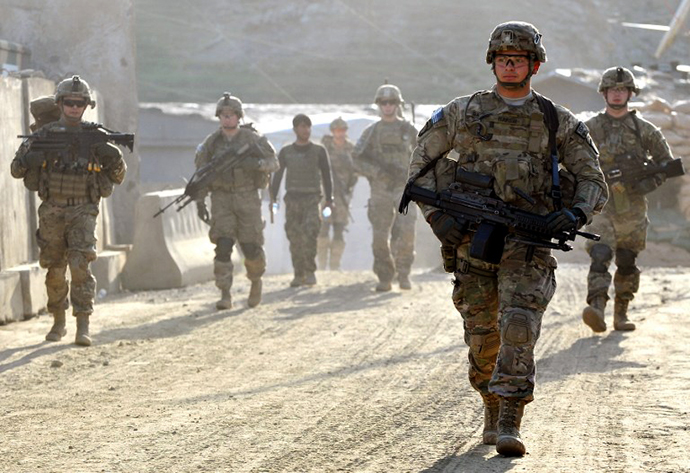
(340, 378)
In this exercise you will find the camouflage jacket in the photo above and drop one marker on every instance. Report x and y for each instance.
(342, 168)
(481, 133)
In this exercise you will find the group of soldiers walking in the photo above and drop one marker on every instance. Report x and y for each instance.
(509, 144)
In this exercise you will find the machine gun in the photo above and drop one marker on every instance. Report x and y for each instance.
(492, 221)
(83, 140)
(631, 171)
(207, 174)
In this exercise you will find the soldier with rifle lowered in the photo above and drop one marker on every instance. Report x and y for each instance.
(72, 165)
(636, 160)
(235, 196)
(500, 150)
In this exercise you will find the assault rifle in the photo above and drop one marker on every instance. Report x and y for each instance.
(207, 174)
(630, 171)
(90, 134)
(492, 220)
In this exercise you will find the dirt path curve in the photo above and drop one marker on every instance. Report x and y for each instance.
(340, 378)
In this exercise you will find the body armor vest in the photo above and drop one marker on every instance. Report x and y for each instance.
(392, 143)
(302, 168)
(237, 178)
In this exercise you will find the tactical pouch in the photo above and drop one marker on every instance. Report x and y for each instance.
(32, 178)
(488, 242)
(448, 255)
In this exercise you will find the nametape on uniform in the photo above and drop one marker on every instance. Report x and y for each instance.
(437, 115)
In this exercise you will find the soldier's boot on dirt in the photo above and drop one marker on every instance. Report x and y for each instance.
(384, 286)
(82, 338)
(310, 279)
(491, 410)
(255, 293)
(58, 330)
(404, 281)
(322, 247)
(620, 315)
(225, 301)
(508, 442)
(298, 280)
(337, 250)
(593, 314)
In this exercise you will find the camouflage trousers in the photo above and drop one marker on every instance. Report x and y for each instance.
(393, 234)
(302, 226)
(67, 237)
(502, 308)
(236, 218)
(625, 237)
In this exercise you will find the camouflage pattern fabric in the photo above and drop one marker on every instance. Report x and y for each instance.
(502, 305)
(302, 225)
(382, 155)
(623, 222)
(236, 199)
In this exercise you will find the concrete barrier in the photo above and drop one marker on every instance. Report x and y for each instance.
(171, 250)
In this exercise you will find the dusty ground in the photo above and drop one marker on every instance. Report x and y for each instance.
(340, 378)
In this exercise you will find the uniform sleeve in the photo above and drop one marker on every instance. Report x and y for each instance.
(658, 147)
(326, 179)
(111, 160)
(580, 157)
(278, 176)
(433, 141)
(268, 155)
(203, 152)
(18, 168)
(362, 155)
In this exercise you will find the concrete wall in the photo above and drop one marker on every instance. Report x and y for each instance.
(96, 40)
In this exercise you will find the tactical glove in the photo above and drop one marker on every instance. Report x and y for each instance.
(648, 184)
(33, 159)
(565, 220)
(202, 211)
(446, 228)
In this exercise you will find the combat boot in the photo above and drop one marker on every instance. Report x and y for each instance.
(225, 301)
(491, 410)
(310, 279)
(82, 337)
(58, 330)
(593, 314)
(620, 315)
(508, 442)
(254, 293)
(298, 280)
(384, 286)
(404, 282)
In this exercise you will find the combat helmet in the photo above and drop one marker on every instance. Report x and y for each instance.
(618, 77)
(387, 92)
(231, 102)
(517, 35)
(338, 123)
(75, 86)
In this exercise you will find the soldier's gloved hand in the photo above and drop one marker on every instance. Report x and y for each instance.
(565, 220)
(446, 228)
(202, 211)
(33, 159)
(648, 184)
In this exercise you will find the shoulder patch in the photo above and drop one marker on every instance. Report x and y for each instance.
(583, 132)
(437, 115)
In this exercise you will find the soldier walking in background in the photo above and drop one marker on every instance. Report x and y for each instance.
(308, 173)
(382, 155)
(627, 144)
(70, 180)
(501, 136)
(236, 198)
(339, 147)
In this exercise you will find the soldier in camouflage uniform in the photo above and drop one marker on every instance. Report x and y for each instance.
(339, 149)
(626, 142)
(308, 174)
(71, 186)
(382, 155)
(236, 199)
(502, 133)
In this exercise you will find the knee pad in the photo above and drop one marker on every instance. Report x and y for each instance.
(224, 249)
(251, 250)
(517, 327)
(625, 262)
(601, 258)
(485, 345)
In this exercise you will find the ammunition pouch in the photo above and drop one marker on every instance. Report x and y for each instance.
(488, 242)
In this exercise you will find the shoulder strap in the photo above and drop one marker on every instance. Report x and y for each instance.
(551, 121)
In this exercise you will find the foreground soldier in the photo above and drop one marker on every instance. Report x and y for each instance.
(502, 133)
(235, 198)
(626, 143)
(307, 167)
(339, 147)
(382, 155)
(71, 183)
